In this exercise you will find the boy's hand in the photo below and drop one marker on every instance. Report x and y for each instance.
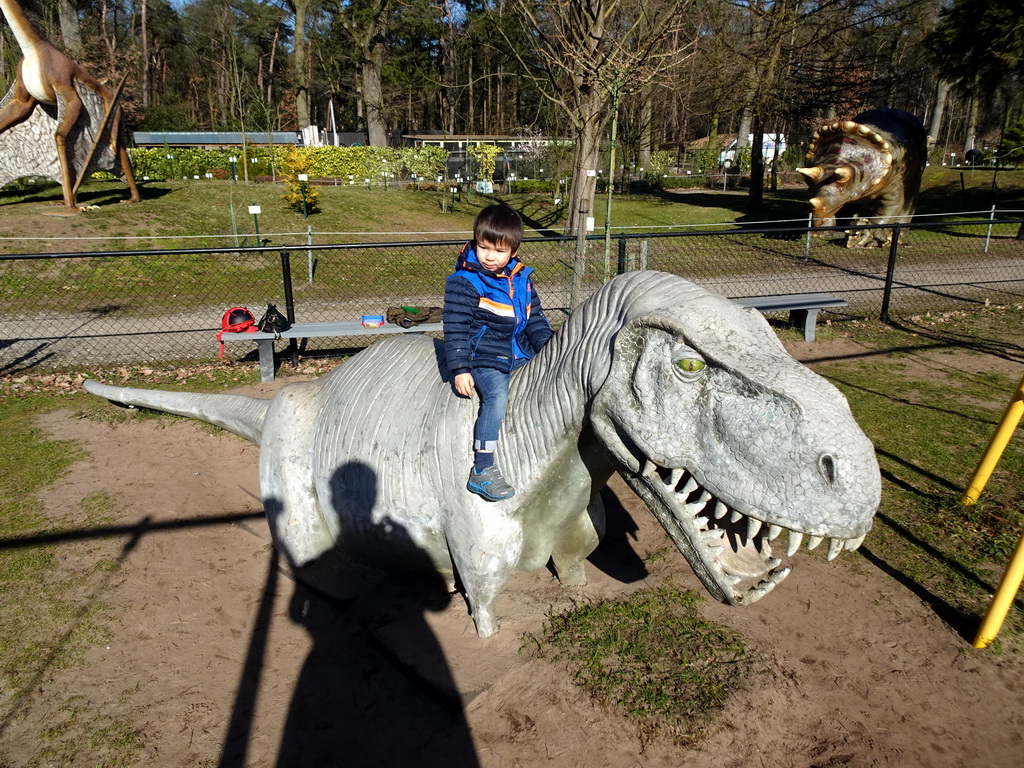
(464, 384)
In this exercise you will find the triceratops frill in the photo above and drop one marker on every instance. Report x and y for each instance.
(690, 397)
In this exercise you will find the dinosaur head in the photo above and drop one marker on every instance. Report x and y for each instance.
(741, 452)
(847, 161)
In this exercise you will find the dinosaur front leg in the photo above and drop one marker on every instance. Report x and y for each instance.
(485, 544)
(16, 107)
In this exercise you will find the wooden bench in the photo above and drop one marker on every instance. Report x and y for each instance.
(265, 341)
(803, 307)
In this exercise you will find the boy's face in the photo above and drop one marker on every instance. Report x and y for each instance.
(492, 256)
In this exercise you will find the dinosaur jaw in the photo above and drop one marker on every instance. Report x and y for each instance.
(730, 551)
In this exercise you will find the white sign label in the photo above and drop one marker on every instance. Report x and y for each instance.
(254, 209)
(590, 223)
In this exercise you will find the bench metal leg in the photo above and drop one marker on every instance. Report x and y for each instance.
(266, 348)
(806, 318)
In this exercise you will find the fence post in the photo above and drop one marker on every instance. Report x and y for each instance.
(807, 245)
(988, 235)
(289, 302)
(309, 254)
(622, 255)
(890, 272)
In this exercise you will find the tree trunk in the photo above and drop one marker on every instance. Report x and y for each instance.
(143, 53)
(646, 129)
(585, 158)
(743, 131)
(301, 67)
(71, 29)
(938, 109)
(972, 117)
(756, 199)
(373, 98)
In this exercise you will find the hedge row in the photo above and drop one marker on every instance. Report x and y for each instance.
(373, 164)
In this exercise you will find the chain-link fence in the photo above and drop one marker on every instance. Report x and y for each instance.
(164, 307)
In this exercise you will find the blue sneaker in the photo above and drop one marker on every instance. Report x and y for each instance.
(490, 484)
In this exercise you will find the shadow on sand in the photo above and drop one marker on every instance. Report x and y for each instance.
(351, 705)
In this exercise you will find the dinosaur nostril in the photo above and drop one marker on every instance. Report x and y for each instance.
(827, 465)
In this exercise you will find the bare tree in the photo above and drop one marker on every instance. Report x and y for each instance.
(586, 48)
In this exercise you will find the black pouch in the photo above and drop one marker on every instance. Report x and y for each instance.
(273, 321)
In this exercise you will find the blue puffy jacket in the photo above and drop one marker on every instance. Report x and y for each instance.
(491, 320)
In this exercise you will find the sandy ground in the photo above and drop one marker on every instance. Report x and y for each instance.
(219, 658)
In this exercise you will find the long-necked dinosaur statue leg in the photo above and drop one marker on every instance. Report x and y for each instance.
(69, 116)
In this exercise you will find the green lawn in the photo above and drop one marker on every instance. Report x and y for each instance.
(201, 214)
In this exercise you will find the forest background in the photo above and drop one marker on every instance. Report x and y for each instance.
(655, 74)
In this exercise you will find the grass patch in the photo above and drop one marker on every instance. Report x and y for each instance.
(652, 656)
(52, 614)
(931, 416)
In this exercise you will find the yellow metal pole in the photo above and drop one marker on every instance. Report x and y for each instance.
(996, 446)
(1003, 599)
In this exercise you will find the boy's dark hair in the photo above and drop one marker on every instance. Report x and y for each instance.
(500, 225)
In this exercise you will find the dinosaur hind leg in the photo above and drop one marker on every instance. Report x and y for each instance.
(578, 537)
(122, 155)
(72, 111)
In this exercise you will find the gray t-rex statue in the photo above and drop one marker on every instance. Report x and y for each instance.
(690, 397)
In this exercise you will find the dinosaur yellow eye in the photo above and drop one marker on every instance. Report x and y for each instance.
(690, 365)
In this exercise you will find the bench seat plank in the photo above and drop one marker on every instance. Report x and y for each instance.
(803, 307)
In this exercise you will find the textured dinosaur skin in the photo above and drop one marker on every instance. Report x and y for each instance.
(691, 398)
(873, 164)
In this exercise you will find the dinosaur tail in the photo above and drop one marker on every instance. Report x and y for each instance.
(240, 414)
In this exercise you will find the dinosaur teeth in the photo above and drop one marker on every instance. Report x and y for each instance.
(813, 542)
(753, 526)
(852, 544)
(773, 532)
(795, 538)
(735, 517)
(649, 468)
(690, 487)
(720, 510)
(713, 537)
(675, 477)
(835, 546)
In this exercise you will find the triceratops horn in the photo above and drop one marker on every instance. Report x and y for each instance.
(843, 173)
(813, 173)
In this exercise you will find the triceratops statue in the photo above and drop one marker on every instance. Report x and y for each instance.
(872, 164)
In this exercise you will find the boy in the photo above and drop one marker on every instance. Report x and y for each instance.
(493, 324)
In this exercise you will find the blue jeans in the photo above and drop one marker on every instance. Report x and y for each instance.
(492, 387)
